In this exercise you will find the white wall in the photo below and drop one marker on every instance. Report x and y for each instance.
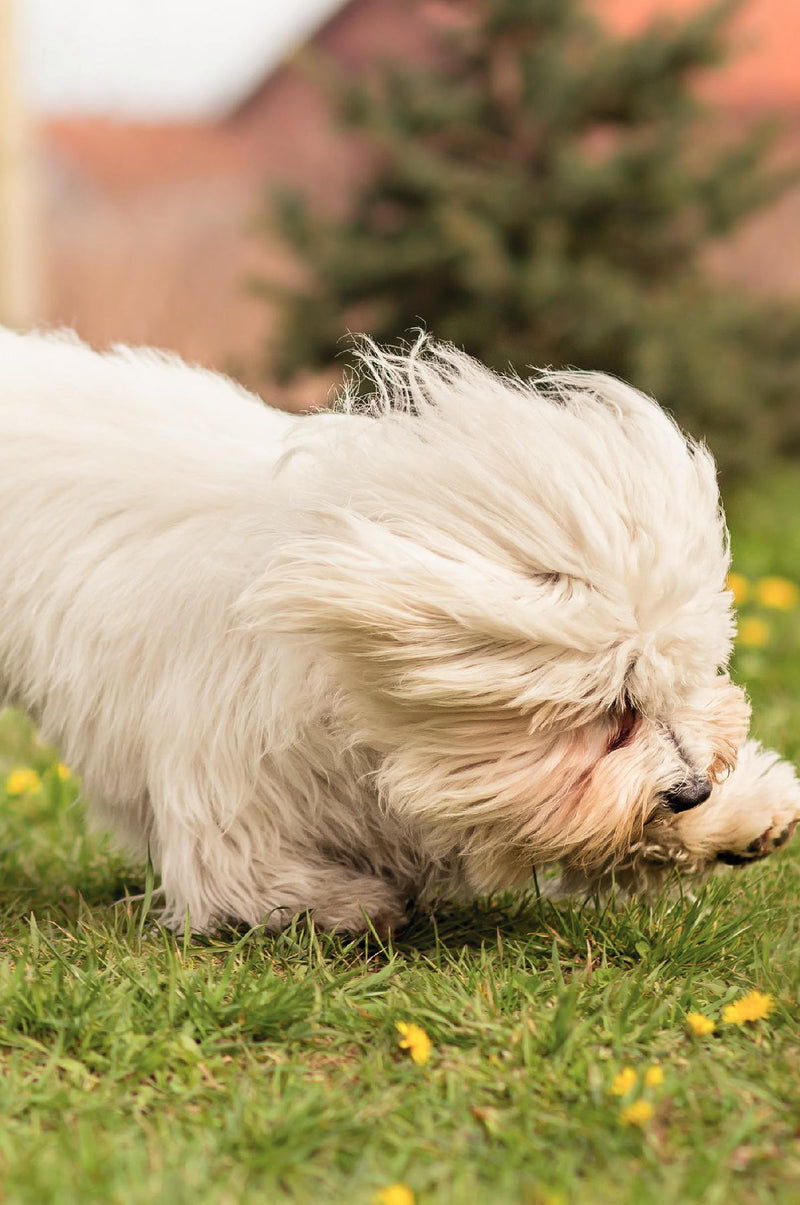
(156, 58)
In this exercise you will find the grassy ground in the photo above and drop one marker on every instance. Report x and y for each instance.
(137, 1067)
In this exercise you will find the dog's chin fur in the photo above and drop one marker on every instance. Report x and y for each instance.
(337, 662)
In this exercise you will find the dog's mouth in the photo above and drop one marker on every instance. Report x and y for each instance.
(624, 731)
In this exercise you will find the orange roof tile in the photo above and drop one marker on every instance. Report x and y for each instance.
(765, 41)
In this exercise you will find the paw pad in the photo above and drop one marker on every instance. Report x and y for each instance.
(766, 844)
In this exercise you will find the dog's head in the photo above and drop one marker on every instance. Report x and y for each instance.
(520, 591)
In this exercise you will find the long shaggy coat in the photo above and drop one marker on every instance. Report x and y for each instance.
(336, 662)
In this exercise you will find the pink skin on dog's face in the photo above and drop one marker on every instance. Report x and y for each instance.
(581, 797)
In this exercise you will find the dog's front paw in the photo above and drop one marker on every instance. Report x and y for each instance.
(759, 847)
(356, 919)
(360, 904)
(750, 815)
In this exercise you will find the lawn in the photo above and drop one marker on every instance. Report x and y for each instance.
(141, 1067)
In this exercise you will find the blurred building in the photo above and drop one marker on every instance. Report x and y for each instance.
(149, 228)
(20, 302)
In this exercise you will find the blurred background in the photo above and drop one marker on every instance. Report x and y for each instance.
(606, 183)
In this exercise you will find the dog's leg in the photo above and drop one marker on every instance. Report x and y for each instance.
(231, 881)
(338, 898)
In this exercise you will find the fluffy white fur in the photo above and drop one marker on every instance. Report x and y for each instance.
(336, 662)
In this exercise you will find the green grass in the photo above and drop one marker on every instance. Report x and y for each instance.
(140, 1067)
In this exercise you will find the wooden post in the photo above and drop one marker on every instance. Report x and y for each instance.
(18, 259)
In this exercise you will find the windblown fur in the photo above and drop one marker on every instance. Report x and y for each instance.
(336, 662)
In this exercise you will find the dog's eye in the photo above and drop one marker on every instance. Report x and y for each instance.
(626, 726)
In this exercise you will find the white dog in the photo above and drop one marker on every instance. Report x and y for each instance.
(335, 662)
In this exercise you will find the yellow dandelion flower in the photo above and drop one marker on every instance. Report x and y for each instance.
(395, 1194)
(752, 1007)
(415, 1040)
(637, 1114)
(753, 632)
(778, 593)
(622, 1083)
(653, 1077)
(739, 587)
(23, 781)
(62, 772)
(700, 1025)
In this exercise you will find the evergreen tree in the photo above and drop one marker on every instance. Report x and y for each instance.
(544, 194)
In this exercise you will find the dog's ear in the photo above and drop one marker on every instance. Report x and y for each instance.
(439, 628)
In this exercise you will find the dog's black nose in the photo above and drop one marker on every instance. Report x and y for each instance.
(688, 795)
